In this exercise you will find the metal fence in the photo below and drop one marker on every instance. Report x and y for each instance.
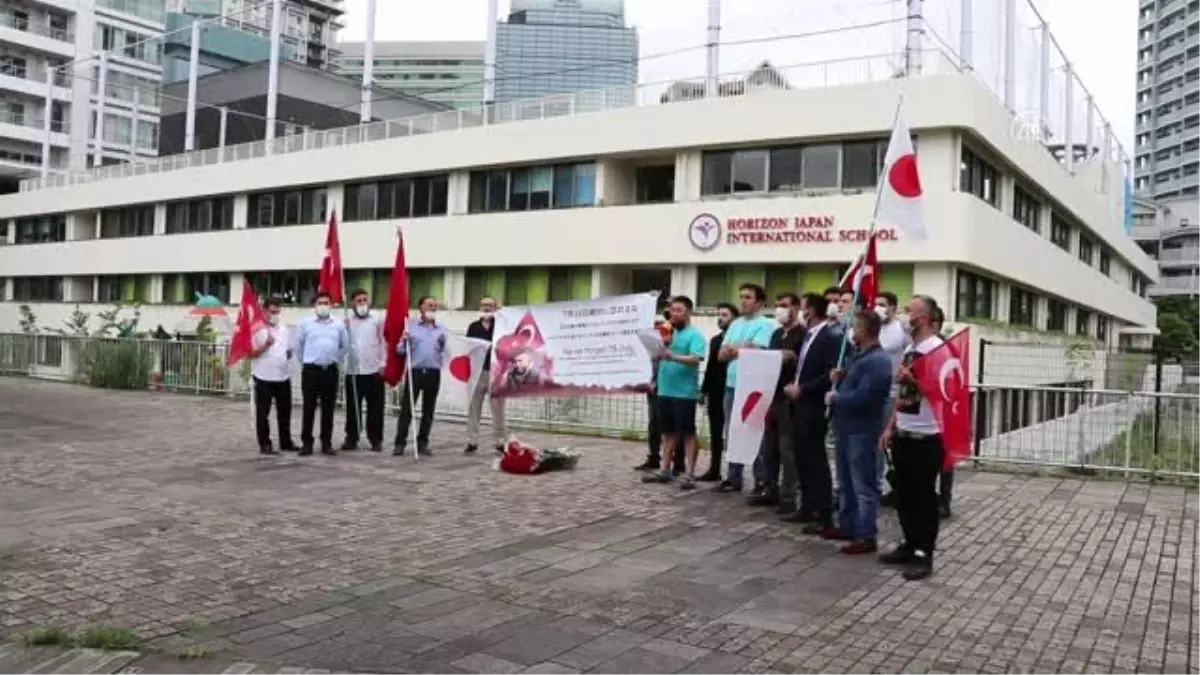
(1151, 429)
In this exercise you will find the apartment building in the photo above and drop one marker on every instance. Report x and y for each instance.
(444, 72)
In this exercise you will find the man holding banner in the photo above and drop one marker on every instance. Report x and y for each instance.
(750, 331)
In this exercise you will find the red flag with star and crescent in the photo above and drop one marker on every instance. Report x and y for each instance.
(863, 275)
(900, 193)
(330, 279)
(943, 376)
(250, 318)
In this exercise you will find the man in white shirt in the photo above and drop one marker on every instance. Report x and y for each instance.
(917, 452)
(893, 338)
(364, 373)
(270, 369)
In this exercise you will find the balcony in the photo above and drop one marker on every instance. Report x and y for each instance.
(31, 81)
(28, 127)
(1176, 286)
(32, 34)
(1189, 230)
(1188, 256)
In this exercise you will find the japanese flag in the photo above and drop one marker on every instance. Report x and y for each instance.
(461, 367)
(900, 190)
(757, 375)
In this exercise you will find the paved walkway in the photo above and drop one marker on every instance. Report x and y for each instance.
(153, 512)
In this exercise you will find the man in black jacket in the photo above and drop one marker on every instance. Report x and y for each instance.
(712, 393)
(817, 357)
(481, 329)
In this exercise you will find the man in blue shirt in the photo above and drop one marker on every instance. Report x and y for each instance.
(424, 343)
(751, 330)
(678, 389)
(321, 342)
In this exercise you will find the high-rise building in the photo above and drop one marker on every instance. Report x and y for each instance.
(222, 47)
(309, 26)
(450, 73)
(562, 46)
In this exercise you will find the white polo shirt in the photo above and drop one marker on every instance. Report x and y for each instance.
(272, 365)
(913, 413)
(895, 342)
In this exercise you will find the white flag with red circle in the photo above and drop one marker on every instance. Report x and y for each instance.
(462, 365)
(757, 376)
(900, 190)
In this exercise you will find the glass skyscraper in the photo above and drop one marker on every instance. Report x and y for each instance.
(562, 46)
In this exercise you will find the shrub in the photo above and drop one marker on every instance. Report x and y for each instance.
(116, 364)
(108, 637)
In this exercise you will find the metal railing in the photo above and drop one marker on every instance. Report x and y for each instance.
(35, 27)
(1133, 433)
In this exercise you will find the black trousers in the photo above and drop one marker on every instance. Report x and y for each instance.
(318, 385)
(425, 385)
(266, 392)
(812, 461)
(918, 462)
(715, 407)
(371, 389)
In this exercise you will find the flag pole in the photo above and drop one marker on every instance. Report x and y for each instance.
(351, 356)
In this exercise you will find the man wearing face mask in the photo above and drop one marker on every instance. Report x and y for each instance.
(833, 311)
(893, 339)
(272, 380)
(321, 341)
(427, 337)
(776, 471)
(482, 329)
(712, 393)
(364, 373)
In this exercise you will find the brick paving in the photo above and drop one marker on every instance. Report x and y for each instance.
(153, 512)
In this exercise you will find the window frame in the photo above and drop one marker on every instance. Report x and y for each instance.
(967, 298)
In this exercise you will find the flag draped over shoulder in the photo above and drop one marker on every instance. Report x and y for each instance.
(396, 320)
(943, 376)
(251, 317)
(330, 279)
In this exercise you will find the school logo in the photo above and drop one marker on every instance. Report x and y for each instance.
(704, 232)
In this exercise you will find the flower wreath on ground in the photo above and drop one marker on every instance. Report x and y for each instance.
(526, 459)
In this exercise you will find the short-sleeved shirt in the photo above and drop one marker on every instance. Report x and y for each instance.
(913, 413)
(272, 365)
(746, 330)
(677, 380)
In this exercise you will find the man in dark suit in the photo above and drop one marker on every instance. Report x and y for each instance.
(817, 357)
(712, 393)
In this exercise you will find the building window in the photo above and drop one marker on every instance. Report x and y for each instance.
(129, 221)
(561, 186)
(1056, 315)
(200, 215)
(655, 184)
(825, 166)
(185, 289)
(1105, 263)
(41, 229)
(1026, 209)
(290, 207)
(979, 178)
(1060, 232)
(976, 297)
(1102, 329)
(415, 197)
(125, 288)
(1083, 322)
(570, 283)
(1022, 307)
(1087, 249)
(289, 288)
(38, 289)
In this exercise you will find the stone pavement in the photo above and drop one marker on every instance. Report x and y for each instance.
(153, 512)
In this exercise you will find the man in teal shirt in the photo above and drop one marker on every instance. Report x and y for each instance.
(678, 389)
(751, 330)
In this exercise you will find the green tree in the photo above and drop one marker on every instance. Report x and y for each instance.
(1179, 332)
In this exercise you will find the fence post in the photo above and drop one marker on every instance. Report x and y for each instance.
(980, 398)
(1158, 378)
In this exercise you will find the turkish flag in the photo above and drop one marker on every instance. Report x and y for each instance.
(330, 279)
(396, 319)
(461, 367)
(757, 375)
(250, 318)
(863, 275)
(900, 193)
(943, 376)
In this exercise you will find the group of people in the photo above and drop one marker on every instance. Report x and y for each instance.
(842, 366)
(322, 342)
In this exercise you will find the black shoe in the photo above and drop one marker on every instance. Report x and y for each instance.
(659, 477)
(398, 450)
(499, 448)
(944, 512)
(424, 450)
(328, 450)
(305, 451)
(820, 528)
(266, 450)
(471, 449)
(920, 567)
(647, 465)
(729, 486)
(799, 517)
(710, 477)
(377, 447)
(785, 508)
(897, 556)
(348, 446)
(762, 498)
(288, 447)
(888, 500)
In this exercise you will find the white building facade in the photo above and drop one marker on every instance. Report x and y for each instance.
(444, 72)
(597, 202)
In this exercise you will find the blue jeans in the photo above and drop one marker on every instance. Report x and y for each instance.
(858, 484)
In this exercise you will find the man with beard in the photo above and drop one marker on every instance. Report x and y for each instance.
(678, 389)
(712, 393)
(751, 330)
(776, 474)
(482, 329)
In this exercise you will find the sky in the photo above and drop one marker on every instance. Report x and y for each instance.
(1098, 38)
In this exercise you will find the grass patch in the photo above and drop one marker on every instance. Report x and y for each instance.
(191, 652)
(1171, 447)
(46, 635)
(108, 637)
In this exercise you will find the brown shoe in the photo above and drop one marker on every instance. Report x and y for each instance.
(860, 547)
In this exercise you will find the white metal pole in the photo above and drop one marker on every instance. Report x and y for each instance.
(47, 126)
(224, 128)
(1069, 119)
(134, 122)
(966, 35)
(101, 94)
(189, 135)
(1091, 125)
(712, 50)
(273, 69)
(1044, 83)
(368, 74)
(1010, 54)
(914, 37)
(489, 55)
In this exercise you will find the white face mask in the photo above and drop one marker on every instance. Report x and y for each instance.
(273, 319)
(362, 310)
(905, 322)
(486, 314)
(430, 315)
(322, 311)
(783, 315)
(835, 310)
(882, 313)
